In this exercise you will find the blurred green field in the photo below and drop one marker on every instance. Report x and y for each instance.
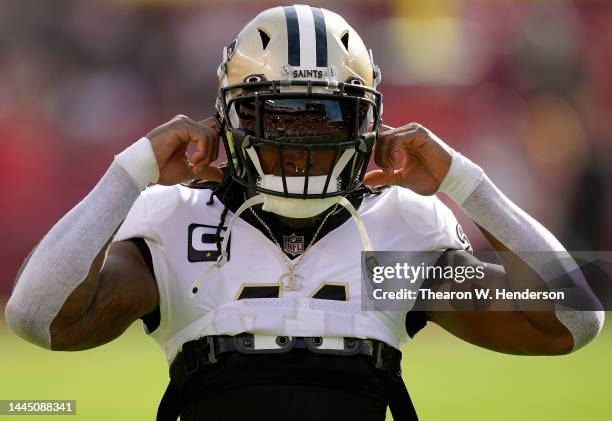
(448, 379)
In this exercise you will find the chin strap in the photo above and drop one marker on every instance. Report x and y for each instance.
(365, 239)
(255, 200)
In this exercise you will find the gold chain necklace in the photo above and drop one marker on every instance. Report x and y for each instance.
(289, 281)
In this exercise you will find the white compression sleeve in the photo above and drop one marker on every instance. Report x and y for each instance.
(63, 258)
(485, 204)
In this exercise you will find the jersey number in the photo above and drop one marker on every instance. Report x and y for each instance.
(325, 292)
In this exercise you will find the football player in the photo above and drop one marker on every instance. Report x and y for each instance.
(249, 278)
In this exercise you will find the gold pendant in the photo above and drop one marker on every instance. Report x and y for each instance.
(289, 281)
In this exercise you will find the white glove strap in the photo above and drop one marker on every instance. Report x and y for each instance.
(140, 163)
(462, 179)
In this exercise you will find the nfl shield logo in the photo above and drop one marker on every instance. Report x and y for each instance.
(293, 244)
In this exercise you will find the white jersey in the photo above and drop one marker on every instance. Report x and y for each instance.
(179, 229)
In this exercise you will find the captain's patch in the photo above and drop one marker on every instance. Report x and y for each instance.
(202, 243)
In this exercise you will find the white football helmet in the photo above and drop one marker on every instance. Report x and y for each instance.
(299, 77)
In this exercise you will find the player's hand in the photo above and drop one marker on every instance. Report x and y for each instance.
(170, 142)
(425, 161)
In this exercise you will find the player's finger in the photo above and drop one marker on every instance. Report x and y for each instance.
(210, 122)
(206, 140)
(208, 172)
(376, 178)
(213, 144)
(379, 148)
(206, 156)
(380, 178)
(189, 130)
(197, 157)
(406, 138)
(182, 172)
(384, 128)
(208, 153)
(384, 150)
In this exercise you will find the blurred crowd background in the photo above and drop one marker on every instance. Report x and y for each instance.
(522, 87)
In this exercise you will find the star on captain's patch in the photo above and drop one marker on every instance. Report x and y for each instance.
(208, 254)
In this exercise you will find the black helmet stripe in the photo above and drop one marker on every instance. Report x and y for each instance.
(321, 35)
(293, 36)
(306, 36)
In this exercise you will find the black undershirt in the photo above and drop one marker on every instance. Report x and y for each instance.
(151, 320)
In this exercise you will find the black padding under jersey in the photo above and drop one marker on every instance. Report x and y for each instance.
(151, 320)
(415, 321)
